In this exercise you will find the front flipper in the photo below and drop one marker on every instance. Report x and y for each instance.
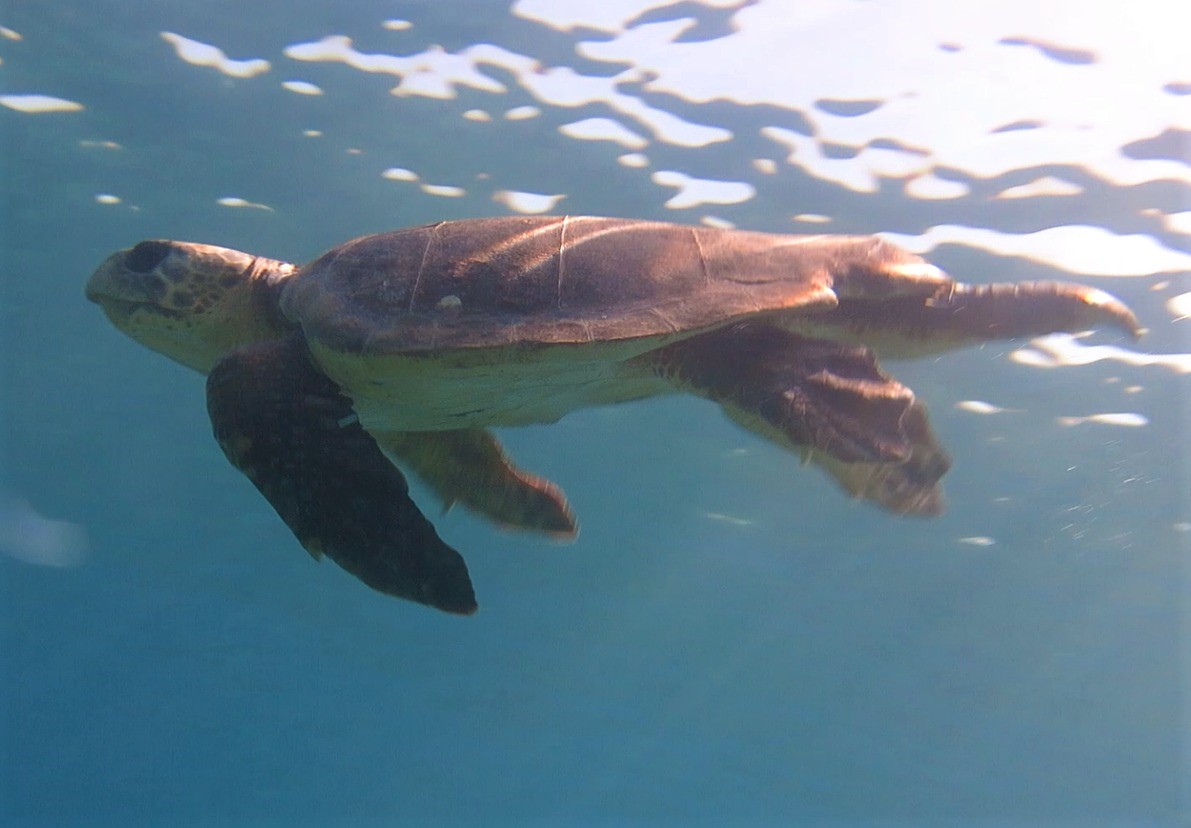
(469, 466)
(288, 428)
(825, 399)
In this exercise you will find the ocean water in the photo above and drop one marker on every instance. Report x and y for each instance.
(730, 639)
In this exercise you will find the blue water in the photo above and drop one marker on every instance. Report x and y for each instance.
(729, 640)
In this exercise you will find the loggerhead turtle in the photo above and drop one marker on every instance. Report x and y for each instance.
(405, 347)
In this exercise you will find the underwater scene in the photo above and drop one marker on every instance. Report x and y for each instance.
(716, 624)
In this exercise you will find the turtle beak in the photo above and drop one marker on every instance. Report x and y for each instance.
(99, 285)
(129, 277)
(108, 288)
(112, 280)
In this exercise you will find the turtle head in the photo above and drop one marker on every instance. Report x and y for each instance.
(192, 302)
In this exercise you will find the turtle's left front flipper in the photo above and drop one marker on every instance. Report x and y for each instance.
(288, 428)
(469, 466)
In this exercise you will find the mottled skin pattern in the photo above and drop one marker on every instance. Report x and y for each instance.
(407, 346)
(194, 306)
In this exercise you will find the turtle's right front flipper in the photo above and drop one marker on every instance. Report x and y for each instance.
(288, 428)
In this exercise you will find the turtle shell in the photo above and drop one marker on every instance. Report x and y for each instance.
(573, 280)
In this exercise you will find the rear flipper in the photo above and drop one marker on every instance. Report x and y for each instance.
(294, 435)
(956, 315)
(827, 400)
(469, 466)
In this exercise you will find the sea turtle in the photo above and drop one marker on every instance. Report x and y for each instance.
(403, 348)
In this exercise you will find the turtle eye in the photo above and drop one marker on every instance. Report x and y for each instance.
(146, 256)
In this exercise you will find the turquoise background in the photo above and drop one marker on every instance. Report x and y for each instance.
(810, 661)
